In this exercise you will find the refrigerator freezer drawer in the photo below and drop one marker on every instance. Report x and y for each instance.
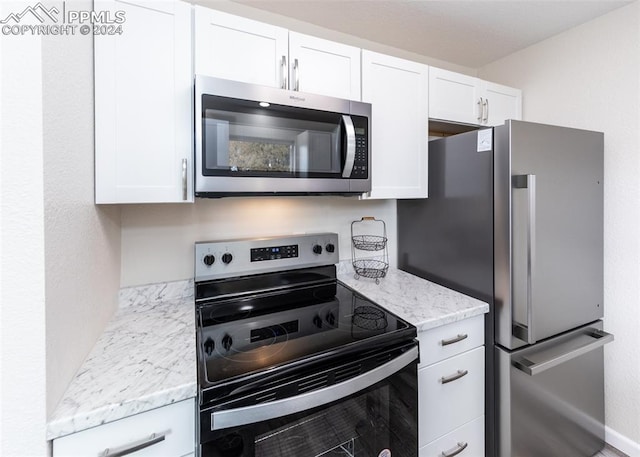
(551, 396)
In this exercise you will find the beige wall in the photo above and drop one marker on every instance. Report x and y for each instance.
(82, 240)
(157, 240)
(22, 294)
(589, 78)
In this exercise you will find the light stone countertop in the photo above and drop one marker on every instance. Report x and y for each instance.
(146, 357)
(418, 301)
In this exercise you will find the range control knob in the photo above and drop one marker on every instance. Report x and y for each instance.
(227, 258)
(330, 248)
(317, 321)
(227, 342)
(331, 319)
(208, 346)
(208, 260)
(317, 249)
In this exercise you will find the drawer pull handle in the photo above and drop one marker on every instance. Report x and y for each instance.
(155, 438)
(453, 377)
(455, 339)
(458, 449)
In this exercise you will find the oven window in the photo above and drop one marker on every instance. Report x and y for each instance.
(379, 421)
(241, 139)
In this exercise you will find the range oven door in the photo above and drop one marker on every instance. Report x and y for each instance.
(253, 139)
(372, 414)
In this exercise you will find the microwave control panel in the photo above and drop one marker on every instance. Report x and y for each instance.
(361, 162)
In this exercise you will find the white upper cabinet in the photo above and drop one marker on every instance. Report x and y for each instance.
(454, 96)
(398, 92)
(501, 103)
(324, 67)
(233, 47)
(461, 98)
(143, 105)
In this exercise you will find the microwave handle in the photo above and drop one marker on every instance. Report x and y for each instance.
(351, 146)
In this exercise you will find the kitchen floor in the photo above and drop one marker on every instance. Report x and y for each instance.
(609, 451)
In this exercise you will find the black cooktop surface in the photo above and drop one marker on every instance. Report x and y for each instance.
(260, 332)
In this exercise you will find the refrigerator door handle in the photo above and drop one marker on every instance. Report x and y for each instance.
(525, 332)
(600, 338)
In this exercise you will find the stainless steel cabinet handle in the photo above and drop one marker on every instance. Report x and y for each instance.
(486, 110)
(351, 146)
(280, 408)
(526, 332)
(283, 72)
(600, 339)
(296, 73)
(480, 108)
(184, 179)
(155, 438)
(453, 377)
(453, 340)
(458, 449)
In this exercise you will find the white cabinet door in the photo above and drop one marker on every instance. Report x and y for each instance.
(398, 92)
(165, 431)
(465, 441)
(501, 103)
(143, 105)
(324, 67)
(233, 47)
(454, 97)
(465, 99)
(450, 393)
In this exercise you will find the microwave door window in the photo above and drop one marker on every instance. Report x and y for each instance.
(250, 144)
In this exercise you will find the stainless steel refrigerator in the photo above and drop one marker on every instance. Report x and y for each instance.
(515, 218)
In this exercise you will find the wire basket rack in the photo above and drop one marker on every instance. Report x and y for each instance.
(369, 253)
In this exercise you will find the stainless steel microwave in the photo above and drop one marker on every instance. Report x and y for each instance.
(259, 140)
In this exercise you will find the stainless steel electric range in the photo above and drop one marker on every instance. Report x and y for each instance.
(291, 362)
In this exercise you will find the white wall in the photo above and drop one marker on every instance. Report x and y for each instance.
(589, 78)
(157, 240)
(82, 240)
(22, 272)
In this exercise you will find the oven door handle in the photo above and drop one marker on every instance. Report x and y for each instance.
(279, 408)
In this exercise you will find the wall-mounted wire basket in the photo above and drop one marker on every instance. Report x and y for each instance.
(369, 235)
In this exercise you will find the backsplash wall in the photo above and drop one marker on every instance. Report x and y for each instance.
(157, 240)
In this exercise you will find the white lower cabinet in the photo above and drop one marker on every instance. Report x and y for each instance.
(168, 431)
(467, 440)
(451, 390)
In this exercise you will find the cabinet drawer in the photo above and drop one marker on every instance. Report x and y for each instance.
(452, 339)
(450, 393)
(175, 422)
(467, 441)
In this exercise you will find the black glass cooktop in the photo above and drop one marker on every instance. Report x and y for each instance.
(259, 332)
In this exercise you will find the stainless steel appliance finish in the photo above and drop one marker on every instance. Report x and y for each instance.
(551, 395)
(293, 362)
(321, 144)
(228, 258)
(548, 230)
(515, 218)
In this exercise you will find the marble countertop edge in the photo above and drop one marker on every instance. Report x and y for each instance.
(111, 412)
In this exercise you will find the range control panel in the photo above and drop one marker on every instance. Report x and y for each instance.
(232, 258)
